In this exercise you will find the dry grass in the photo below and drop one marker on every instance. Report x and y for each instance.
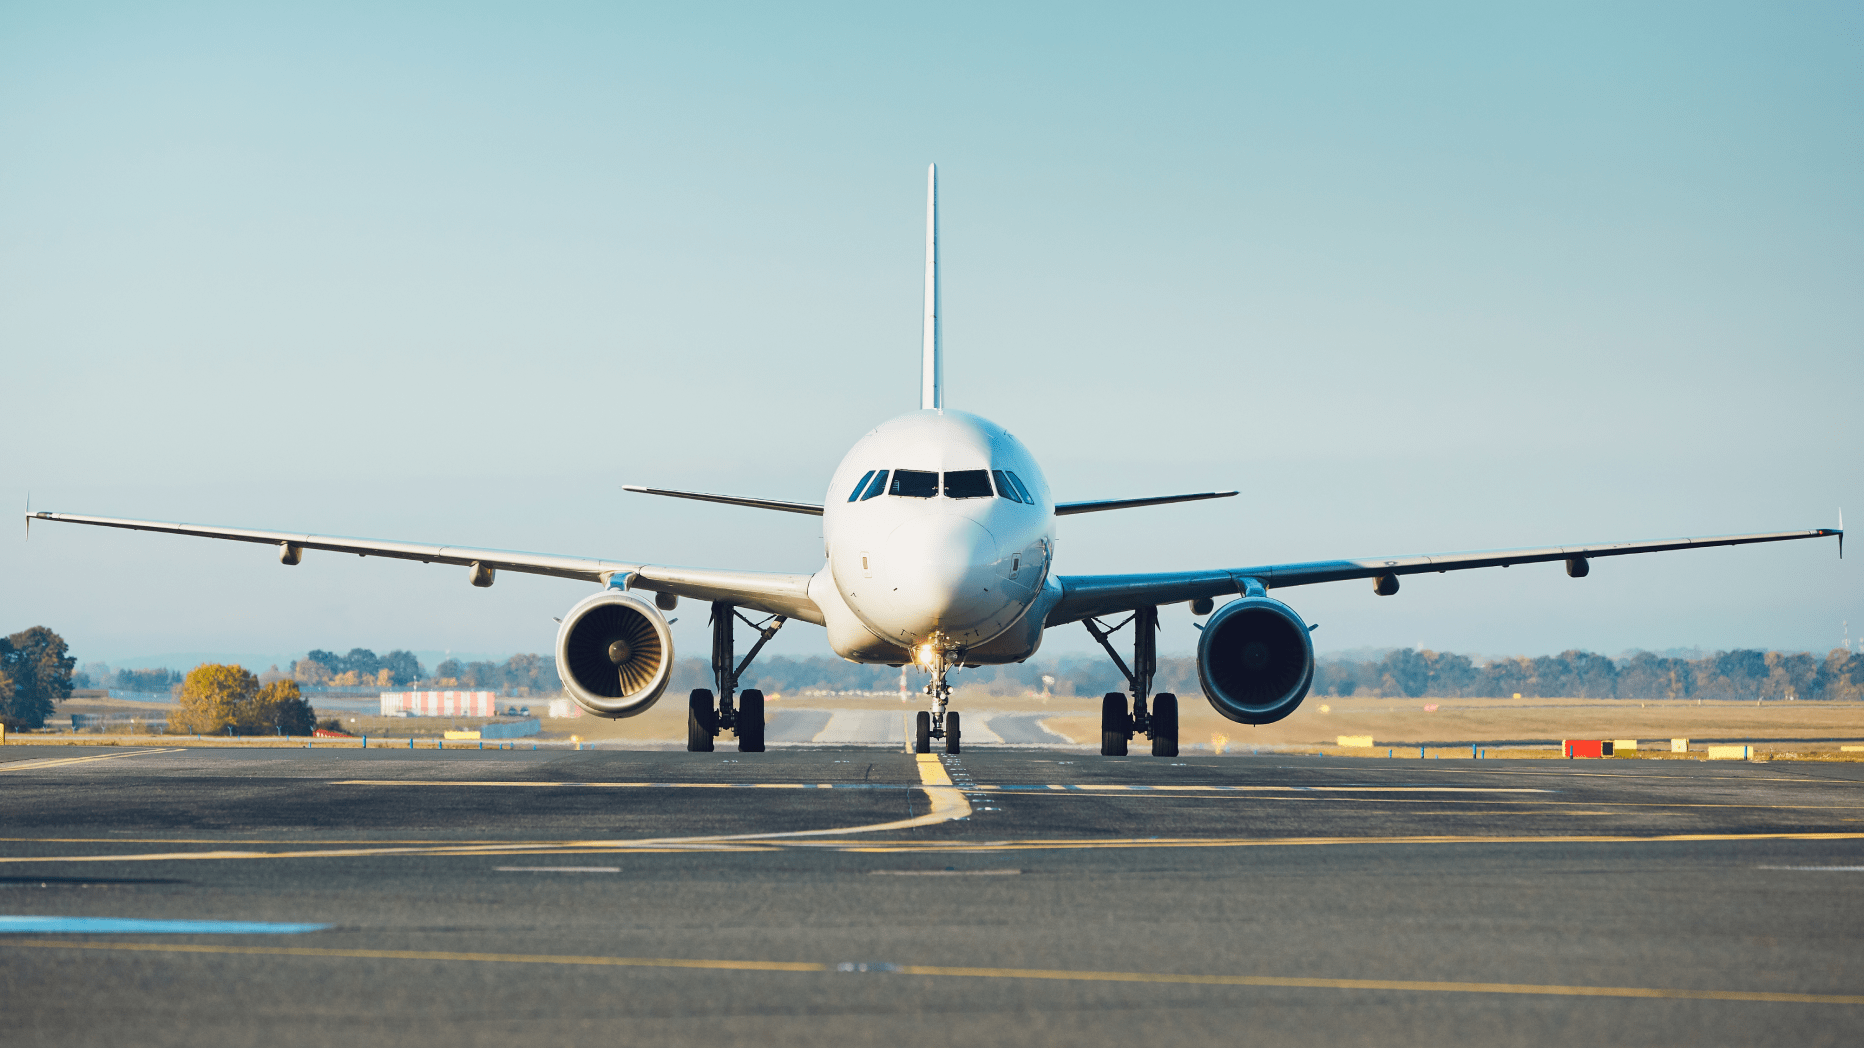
(1396, 725)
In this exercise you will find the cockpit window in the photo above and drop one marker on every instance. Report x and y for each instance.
(1003, 486)
(1020, 490)
(878, 487)
(860, 485)
(968, 484)
(914, 484)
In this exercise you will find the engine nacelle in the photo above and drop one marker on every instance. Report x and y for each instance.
(615, 654)
(1255, 660)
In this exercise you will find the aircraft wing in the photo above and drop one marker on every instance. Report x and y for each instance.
(1089, 595)
(768, 591)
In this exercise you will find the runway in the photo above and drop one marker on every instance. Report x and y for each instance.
(856, 895)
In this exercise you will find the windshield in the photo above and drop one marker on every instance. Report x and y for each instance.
(860, 486)
(914, 484)
(878, 487)
(968, 484)
(1020, 490)
(1003, 486)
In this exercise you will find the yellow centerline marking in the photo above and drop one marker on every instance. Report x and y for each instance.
(947, 803)
(55, 762)
(944, 808)
(948, 972)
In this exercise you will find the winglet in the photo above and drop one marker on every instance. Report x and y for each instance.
(932, 349)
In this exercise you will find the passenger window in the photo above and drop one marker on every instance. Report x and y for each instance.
(878, 487)
(1003, 486)
(1020, 490)
(914, 484)
(860, 485)
(968, 484)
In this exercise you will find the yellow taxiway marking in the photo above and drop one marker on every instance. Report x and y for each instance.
(948, 972)
(946, 803)
(55, 762)
(942, 810)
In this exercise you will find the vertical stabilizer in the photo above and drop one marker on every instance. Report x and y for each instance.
(932, 351)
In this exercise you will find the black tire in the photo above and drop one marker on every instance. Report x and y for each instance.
(701, 721)
(951, 732)
(1116, 725)
(1165, 725)
(751, 721)
(922, 743)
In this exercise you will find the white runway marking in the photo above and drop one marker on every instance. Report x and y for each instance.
(559, 869)
(57, 762)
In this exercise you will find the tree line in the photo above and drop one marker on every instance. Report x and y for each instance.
(100, 675)
(1741, 674)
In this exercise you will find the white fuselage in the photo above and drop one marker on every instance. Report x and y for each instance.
(918, 563)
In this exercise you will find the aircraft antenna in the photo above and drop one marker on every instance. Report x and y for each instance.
(932, 351)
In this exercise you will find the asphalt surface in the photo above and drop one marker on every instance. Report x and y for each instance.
(852, 896)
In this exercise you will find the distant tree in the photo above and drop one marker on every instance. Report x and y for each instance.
(96, 673)
(451, 670)
(1405, 672)
(405, 667)
(38, 675)
(360, 661)
(308, 670)
(277, 707)
(213, 698)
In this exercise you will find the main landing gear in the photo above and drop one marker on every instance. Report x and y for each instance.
(746, 719)
(938, 723)
(1118, 723)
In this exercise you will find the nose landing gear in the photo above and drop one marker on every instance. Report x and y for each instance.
(746, 718)
(937, 723)
(1118, 724)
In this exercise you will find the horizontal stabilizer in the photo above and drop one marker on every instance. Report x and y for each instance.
(809, 508)
(1063, 509)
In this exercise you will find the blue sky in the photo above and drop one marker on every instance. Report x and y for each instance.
(1414, 279)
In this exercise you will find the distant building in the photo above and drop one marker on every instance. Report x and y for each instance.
(439, 704)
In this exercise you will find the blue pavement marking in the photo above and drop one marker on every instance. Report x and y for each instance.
(120, 925)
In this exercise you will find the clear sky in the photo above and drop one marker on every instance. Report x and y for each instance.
(1415, 278)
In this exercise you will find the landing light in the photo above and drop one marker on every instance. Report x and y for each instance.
(923, 655)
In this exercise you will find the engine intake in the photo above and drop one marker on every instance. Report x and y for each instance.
(615, 654)
(1255, 660)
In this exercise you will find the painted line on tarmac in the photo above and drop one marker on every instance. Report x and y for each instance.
(635, 785)
(947, 972)
(1300, 842)
(132, 926)
(946, 803)
(57, 762)
(776, 841)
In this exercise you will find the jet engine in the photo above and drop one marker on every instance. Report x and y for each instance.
(1255, 660)
(615, 654)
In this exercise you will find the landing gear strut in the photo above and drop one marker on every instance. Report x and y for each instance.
(1118, 723)
(704, 720)
(937, 723)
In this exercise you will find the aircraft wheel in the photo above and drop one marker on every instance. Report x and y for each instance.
(751, 721)
(1115, 725)
(922, 743)
(1165, 725)
(701, 721)
(951, 732)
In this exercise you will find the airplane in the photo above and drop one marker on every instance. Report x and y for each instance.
(940, 536)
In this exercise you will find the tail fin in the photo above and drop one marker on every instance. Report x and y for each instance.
(932, 351)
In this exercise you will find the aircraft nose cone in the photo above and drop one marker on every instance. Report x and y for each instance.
(943, 572)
